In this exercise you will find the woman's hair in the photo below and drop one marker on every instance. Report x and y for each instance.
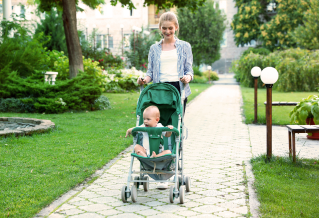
(168, 16)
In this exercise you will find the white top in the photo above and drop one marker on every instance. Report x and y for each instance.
(169, 66)
(145, 140)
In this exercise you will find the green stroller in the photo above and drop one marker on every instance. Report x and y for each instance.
(163, 168)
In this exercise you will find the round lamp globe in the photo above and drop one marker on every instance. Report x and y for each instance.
(255, 71)
(269, 75)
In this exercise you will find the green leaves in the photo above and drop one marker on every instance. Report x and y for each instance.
(307, 108)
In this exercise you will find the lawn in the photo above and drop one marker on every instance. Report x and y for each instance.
(286, 189)
(35, 170)
(280, 114)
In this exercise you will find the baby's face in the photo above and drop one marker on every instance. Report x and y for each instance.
(150, 119)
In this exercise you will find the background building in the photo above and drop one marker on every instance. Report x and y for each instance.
(229, 50)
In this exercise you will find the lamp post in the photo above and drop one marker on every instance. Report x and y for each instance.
(122, 26)
(269, 76)
(209, 69)
(255, 72)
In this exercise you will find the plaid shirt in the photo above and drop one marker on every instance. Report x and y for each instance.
(184, 62)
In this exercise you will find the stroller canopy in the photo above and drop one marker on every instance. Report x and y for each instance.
(165, 97)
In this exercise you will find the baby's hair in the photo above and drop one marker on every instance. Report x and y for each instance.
(168, 16)
(152, 107)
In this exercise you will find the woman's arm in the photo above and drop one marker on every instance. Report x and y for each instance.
(188, 65)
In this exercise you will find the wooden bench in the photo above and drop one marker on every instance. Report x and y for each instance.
(292, 129)
(282, 103)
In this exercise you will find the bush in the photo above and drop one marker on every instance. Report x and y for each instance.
(102, 103)
(78, 93)
(197, 71)
(199, 79)
(298, 69)
(122, 80)
(21, 53)
(261, 51)
(213, 75)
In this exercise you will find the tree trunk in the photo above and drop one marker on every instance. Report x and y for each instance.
(72, 38)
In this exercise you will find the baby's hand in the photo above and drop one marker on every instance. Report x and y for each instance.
(128, 132)
(170, 126)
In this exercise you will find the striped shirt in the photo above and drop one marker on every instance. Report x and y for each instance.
(184, 62)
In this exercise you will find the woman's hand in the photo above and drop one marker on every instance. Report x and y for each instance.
(142, 81)
(186, 79)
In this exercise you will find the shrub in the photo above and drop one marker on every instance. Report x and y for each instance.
(102, 103)
(122, 80)
(212, 74)
(78, 93)
(197, 71)
(298, 69)
(199, 79)
(261, 51)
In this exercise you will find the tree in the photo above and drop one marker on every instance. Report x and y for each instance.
(307, 35)
(52, 27)
(69, 8)
(203, 30)
(268, 22)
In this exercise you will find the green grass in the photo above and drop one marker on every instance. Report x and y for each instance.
(285, 189)
(37, 169)
(280, 114)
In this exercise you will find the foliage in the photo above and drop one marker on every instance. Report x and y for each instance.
(261, 51)
(21, 53)
(39, 97)
(307, 108)
(58, 62)
(137, 56)
(253, 22)
(93, 51)
(276, 33)
(199, 79)
(203, 30)
(246, 23)
(102, 103)
(298, 69)
(52, 28)
(212, 74)
(197, 71)
(122, 80)
(11, 105)
(307, 35)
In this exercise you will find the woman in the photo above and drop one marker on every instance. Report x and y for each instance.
(171, 59)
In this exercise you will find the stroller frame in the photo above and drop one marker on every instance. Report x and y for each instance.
(181, 183)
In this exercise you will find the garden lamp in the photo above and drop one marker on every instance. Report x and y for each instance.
(255, 72)
(269, 76)
(209, 68)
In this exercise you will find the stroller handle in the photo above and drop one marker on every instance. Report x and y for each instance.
(159, 130)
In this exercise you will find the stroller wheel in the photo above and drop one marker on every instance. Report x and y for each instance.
(146, 184)
(134, 193)
(188, 183)
(123, 194)
(171, 194)
(181, 194)
(137, 184)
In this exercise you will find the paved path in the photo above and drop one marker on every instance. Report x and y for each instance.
(217, 146)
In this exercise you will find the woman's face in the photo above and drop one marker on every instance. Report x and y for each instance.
(168, 29)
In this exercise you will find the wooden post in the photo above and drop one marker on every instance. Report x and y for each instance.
(269, 120)
(255, 99)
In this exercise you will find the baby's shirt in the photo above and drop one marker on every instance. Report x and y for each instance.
(145, 143)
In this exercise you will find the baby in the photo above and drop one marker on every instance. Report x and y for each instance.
(151, 116)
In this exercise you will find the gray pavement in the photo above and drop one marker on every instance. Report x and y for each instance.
(216, 157)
